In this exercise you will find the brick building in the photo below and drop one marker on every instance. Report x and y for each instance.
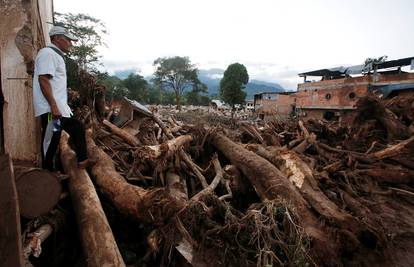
(335, 94)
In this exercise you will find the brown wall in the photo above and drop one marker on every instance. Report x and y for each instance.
(283, 104)
(23, 27)
(316, 98)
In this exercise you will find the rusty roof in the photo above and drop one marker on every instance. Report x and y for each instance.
(357, 69)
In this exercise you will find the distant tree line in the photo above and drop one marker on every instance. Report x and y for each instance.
(175, 78)
(137, 88)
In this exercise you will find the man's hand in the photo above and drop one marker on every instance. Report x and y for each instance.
(55, 112)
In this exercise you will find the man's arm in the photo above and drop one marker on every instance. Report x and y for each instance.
(46, 87)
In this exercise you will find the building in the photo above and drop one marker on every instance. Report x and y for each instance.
(218, 104)
(335, 92)
(24, 27)
(250, 105)
(273, 103)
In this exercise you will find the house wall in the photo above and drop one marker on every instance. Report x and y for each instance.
(316, 99)
(275, 104)
(23, 31)
(339, 93)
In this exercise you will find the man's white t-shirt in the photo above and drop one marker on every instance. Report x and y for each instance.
(50, 62)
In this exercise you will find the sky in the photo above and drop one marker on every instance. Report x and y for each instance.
(274, 39)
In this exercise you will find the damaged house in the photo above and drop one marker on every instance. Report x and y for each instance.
(334, 95)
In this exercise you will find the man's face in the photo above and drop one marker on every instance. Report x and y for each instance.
(63, 43)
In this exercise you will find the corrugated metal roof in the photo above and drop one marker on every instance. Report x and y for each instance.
(357, 69)
(139, 107)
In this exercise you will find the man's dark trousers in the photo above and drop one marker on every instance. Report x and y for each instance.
(76, 131)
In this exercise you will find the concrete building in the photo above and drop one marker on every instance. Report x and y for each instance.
(250, 105)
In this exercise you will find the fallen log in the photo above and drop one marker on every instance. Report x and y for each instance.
(36, 199)
(299, 173)
(130, 139)
(270, 184)
(392, 150)
(150, 206)
(390, 174)
(166, 149)
(98, 243)
(371, 107)
(186, 158)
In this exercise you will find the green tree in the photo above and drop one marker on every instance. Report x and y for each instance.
(177, 74)
(89, 32)
(197, 95)
(114, 88)
(137, 87)
(233, 83)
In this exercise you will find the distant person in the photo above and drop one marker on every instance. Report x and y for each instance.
(50, 99)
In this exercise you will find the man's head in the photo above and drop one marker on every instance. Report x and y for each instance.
(61, 38)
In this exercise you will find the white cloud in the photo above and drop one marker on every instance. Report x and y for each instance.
(272, 38)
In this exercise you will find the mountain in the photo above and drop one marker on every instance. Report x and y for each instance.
(212, 79)
(123, 74)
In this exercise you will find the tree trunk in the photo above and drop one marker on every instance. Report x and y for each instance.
(270, 184)
(390, 174)
(168, 148)
(99, 246)
(178, 101)
(130, 139)
(392, 150)
(370, 106)
(299, 173)
(151, 206)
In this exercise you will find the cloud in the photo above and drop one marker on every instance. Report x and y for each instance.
(144, 68)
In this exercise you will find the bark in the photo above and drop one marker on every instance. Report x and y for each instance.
(235, 181)
(270, 184)
(299, 173)
(392, 150)
(151, 206)
(186, 158)
(133, 127)
(252, 131)
(390, 174)
(370, 107)
(176, 186)
(168, 148)
(194, 168)
(219, 176)
(98, 243)
(33, 245)
(130, 139)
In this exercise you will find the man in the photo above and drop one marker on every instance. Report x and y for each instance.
(50, 98)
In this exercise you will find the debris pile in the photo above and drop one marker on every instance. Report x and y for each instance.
(247, 193)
